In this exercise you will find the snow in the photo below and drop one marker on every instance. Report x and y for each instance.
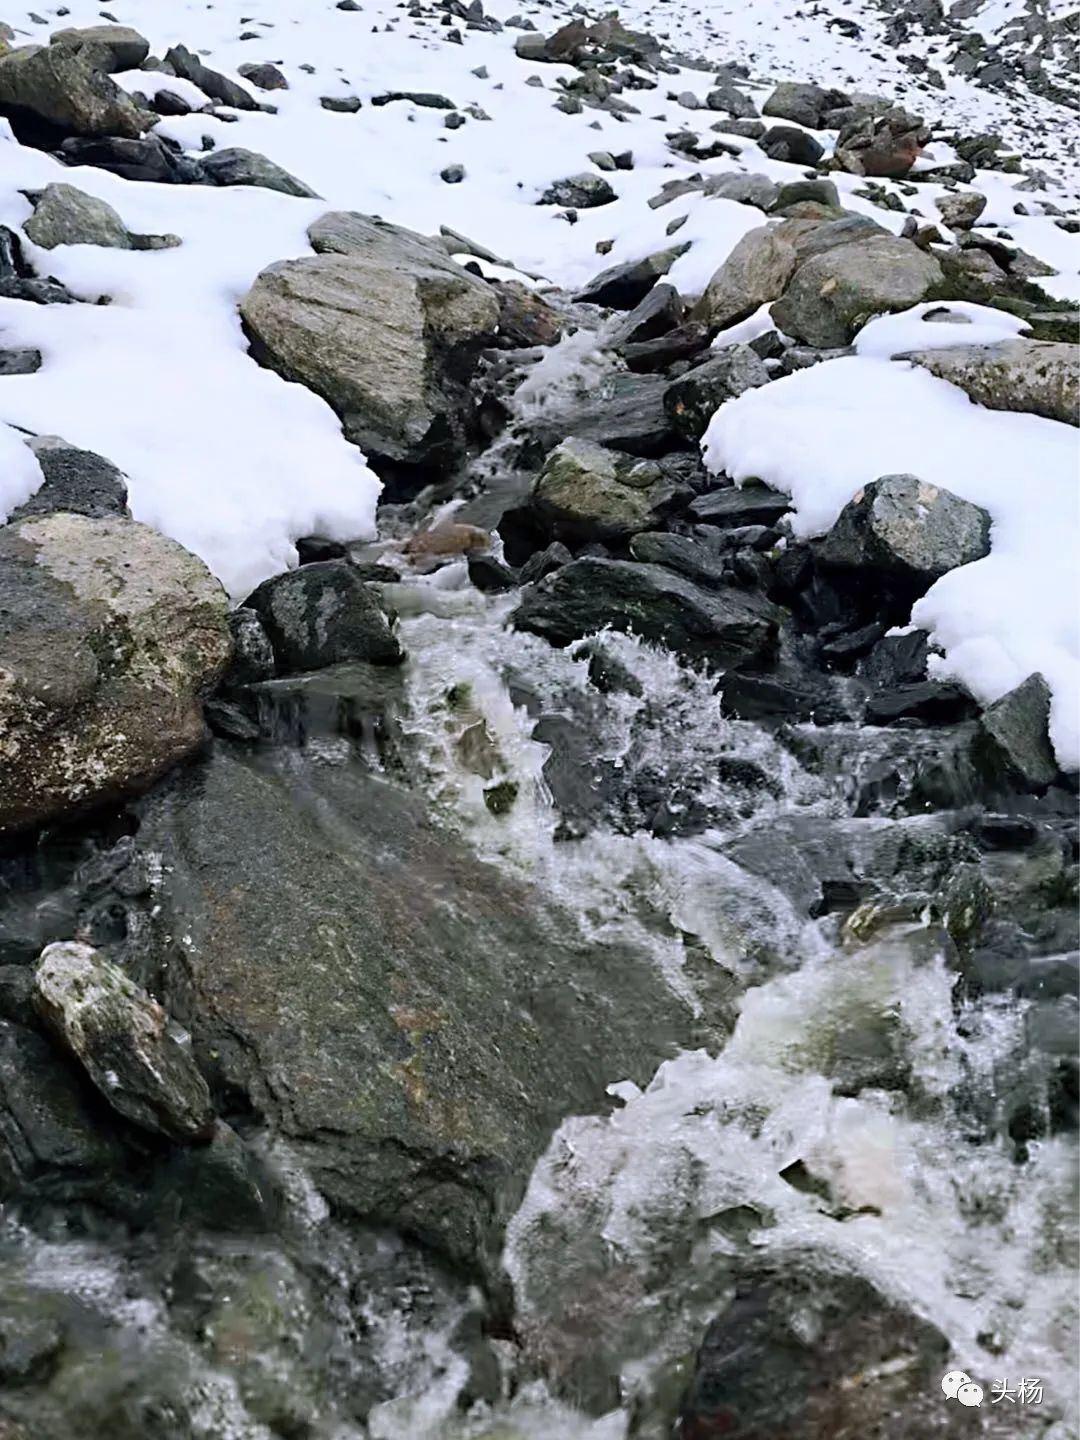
(821, 434)
(924, 327)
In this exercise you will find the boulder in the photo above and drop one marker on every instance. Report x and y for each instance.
(883, 146)
(756, 190)
(210, 82)
(390, 1006)
(804, 1352)
(267, 77)
(730, 100)
(150, 158)
(123, 1040)
(624, 286)
(59, 86)
(802, 104)
(77, 481)
(960, 211)
(691, 401)
(661, 310)
(735, 505)
(323, 614)
(22, 360)
(1033, 376)
(110, 48)
(833, 294)
(110, 635)
(235, 166)
(64, 215)
(579, 192)
(757, 271)
(626, 412)
(785, 142)
(589, 594)
(384, 326)
(903, 533)
(586, 492)
(1013, 744)
(798, 192)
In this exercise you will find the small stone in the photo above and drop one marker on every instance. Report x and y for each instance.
(124, 1040)
(452, 174)
(264, 77)
(341, 104)
(583, 192)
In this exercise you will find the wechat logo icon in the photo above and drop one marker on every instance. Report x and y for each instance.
(958, 1386)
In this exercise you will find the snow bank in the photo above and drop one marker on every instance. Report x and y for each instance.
(912, 329)
(821, 434)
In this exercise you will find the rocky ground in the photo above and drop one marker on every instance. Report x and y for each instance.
(588, 948)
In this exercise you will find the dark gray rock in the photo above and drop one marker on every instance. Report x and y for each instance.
(625, 412)
(803, 104)
(150, 158)
(730, 100)
(244, 167)
(341, 104)
(749, 504)
(168, 102)
(624, 286)
(390, 1005)
(588, 595)
(210, 82)
(694, 560)
(823, 192)
(110, 48)
(75, 480)
(253, 654)
(424, 99)
(660, 311)
(903, 532)
(1013, 745)
(785, 142)
(691, 401)
(323, 614)
(580, 192)
(264, 77)
(22, 361)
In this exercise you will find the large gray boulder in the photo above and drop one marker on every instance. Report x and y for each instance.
(64, 215)
(324, 614)
(691, 400)
(110, 635)
(1034, 376)
(235, 166)
(588, 492)
(720, 628)
(123, 1040)
(414, 1023)
(384, 326)
(756, 271)
(907, 533)
(58, 85)
(833, 294)
(110, 48)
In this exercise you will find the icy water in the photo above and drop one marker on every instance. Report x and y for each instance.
(841, 1107)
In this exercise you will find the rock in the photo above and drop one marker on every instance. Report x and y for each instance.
(22, 361)
(785, 142)
(884, 146)
(902, 533)
(685, 342)
(691, 401)
(323, 614)
(66, 216)
(167, 102)
(756, 190)
(1033, 376)
(587, 595)
(757, 271)
(660, 311)
(76, 481)
(832, 295)
(110, 635)
(452, 174)
(1013, 745)
(579, 192)
(210, 82)
(586, 492)
(123, 1039)
(623, 286)
(960, 211)
(781, 1358)
(930, 702)
(731, 101)
(626, 412)
(796, 192)
(749, 504)
(58, 85)
(341, 104)
(398, 1038)
(149, 159)
(110, 48)
(802, 104)
(52, 1144)
(264, 77)
(425, 100)
(489, 575)
(525, 318)
(244, 167)
(384, 326)
(701, 563)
